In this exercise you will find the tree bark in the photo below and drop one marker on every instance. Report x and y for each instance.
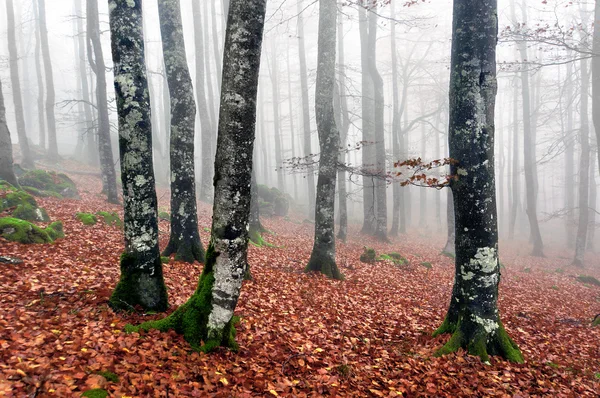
(305, 110)
(396, 124)
(206, 128)
(50, 95)
(570, 153)
(322, 258)
(107, 163)
(40, 80)
(596, 75)
(291, 115)
(273, 72)
(208, 315)
(141, 280)
(449, 249)
(473, 316)
(27, 159)
(344, 128)
(185, 238)
(6, 156)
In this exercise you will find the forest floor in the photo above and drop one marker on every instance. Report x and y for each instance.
(299, 335)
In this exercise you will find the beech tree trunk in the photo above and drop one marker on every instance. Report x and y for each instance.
(344, 127)
(322, 258)
(185, 238)
(596, 76)
(305, 110)
(206, 128)
(107, 163)
(50, 95)
(396, 125)
(6, 156)
(273, 72)
(207, 317)
(473, 317)
(141, 280)
(291, 115)
(570, 152)
(40, 79)
(13, 55)
(449, 248)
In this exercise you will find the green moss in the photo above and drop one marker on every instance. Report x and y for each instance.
(191, 318)
(319, 262)
(50, 181)
(22, 231)
(87, 218)
(163, 215)
(427, 265)
(559, 271)
(41, 193)
(552, 365)
(596, 321)
(55, 230)
(446, 327)
(554, 287)
(110, 218)
(590, 280)
(20, 204)
(257, 239)
(165, 259)
(95, 393)
(448, 254)
(110, 376)
(369, 256)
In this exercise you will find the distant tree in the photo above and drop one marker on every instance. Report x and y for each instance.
(185, 238)
(40, 79)
(50, 94)
(274, 74)
(207, 317)
(322, 258)
(107, 163)
(141, 280)
(473, 317)
(16, 86)
(6, 156)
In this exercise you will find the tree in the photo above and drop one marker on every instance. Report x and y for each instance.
(107, 163)
(6, 157)
(185, 238)
(273, 71)
(50, 94)
(207, 317)
(305, 110)
(16, 86)
(206, 128)
(141, 280)
(473, 316)
(40, 80)
(322, 258)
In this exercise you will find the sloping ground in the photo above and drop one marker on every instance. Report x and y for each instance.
(300, 335)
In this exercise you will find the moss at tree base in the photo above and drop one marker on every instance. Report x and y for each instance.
(187, 251)
(319, 262)
(480, 343)
(139, 287)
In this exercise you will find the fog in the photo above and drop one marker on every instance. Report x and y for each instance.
(557, 40)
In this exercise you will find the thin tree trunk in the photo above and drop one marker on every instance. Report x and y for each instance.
(451, 236)
(423, 191)
(185, 238)
(273, 71)
(570, 155)
(7, 172)
(473, 316)
(592, 204)
(396, 124)
(50, 95)
(344, 127)
(291, 110)
(141, 280)
(322, 258)
(305, 110)
(27, 158)
(516, 171)
(40, 79)
(217, 51)
(107, 163)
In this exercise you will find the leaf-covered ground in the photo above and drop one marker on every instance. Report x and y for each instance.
(300, 335)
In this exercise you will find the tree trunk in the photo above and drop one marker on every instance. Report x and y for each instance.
(141, 280)
(322, 258)
(212, 103)
(423, 191)
(216, 47)
(596, 75)
(516, 171)
(27, 159)
(449, 249)
(592, 204)
(570, 152)
(208, 315)
(584, 169)
(305, 110)
(107, 163)
(40, 80)
(291, 110)
(206, 128)
(185, 238)
(273, 72)
(473, 317)
(344, 127)
(50, 95)
(6, 156)
(396, 124)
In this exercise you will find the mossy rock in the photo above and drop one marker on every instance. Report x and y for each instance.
(95, 393)
(165, 259)
(272, 202)
(590, 280)
(22, 231)
(110, 218)
(87, 218)
(40, 193)
(394, 257)
(427, 265)
(369, 256)
(109, 376)
(20, 204)
(50, 181)
(163, 215)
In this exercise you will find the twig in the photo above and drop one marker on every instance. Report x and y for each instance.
(289, 359)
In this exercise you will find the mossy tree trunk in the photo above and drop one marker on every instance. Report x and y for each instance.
(185, 238)
(107, 163)
(207, 317)
(50, 94)
(473, 317)
(206, 128)
(13, 55)
(6, 156)
(141, 280)
(322, 258)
